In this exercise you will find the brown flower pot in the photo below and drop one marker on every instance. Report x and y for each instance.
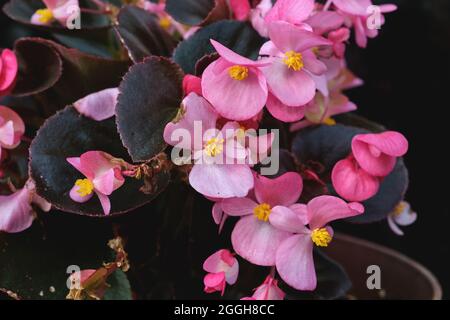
(401, 277)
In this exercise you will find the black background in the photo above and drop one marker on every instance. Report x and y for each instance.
(406, 73)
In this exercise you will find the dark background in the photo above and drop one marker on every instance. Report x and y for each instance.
(406, 73)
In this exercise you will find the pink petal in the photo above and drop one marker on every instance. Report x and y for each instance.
(75, 196)
(240, 9)
(292, 11)
(234, 99)
(259, 147)
(352, 7)
(281, 191)
(215, 264)
(257, 241)
(285, 219)
(324, 209)
(269, 290)
(235, 59)
(196, 111)
(238, 206)
(108, 181)
(221, 181)
(8, 70)
(7, 134)
(288, 37)
(94, 164)
(353, 183)
(7, 114)
(214, 282)
(99, 105)
(292, 88)
(386, 8)
(376, 153)
(282, 112)
(360, 33)
(295, 263)
(16, 212)
(63, 10)
(312, 64)
(217, 212)
(393, 226)
(325, 21)
(105, 202)
(192, 84)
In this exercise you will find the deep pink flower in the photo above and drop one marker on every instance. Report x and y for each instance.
(221, 168)
(290, 74)
(16, 213)
(253, 237)
(240, 9)
(268, 290)
(59, 10)
(294, 257)
(12, 128)
(192, 83)
(360, 15)
(222, 268)
(353, 183)
(234, 85)
(103, 177)
(99, 105)
(402, 215)
(8, 71)
(378, 153)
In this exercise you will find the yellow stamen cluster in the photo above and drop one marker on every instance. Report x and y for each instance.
(165, 22)
(45, 15)
(294, 60)
(238, 72)
(85, 187)
(321, 237)
(262, 211)
(214, 146)
(329, 121)
(399, 209)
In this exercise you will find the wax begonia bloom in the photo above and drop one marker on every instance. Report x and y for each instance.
(192, 83)
(240, 8)
(222, 268)
(102, 176)
(289, 75)
(283, 112)
(364, 17)
(268, 290)
(16, 213)
(253, 237)
(291, 11)
(377, 153)
(59, 10)
(353, 183)
(257, 17)
(8, 71)
(294, 257)
(402, 215)
(235, 85)
(12, 128)
(99, 105)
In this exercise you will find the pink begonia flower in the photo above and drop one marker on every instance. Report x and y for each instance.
(366, 18)
(377, 153)
(289, 76)
(219, 216)
(240, 9)
(257, 17)
(165, 20)
(254, 238)
(234, 85)
(16, 213)
(269, 290)
(222, 268)
(402, 215)
(283, 112)
(103, 177)
(352, 183)
(221, 162)
(99, 105)
(292, 11)
(294, 257)
(59, 10)
(12, 128)
(192, 83)
(8, 71)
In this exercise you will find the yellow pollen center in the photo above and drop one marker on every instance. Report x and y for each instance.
(316, 50)
(294, 60)
(262, 211)
(399, 209)
(329, 121)
(85, 187)
(214, 146)
(45, 15)
(165, 22)
(321, 237)
(238, 72)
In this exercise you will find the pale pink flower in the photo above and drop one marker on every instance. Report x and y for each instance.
(8, 71)
(292, 11)
(16, 213)
(102, 174)
(257, 17)
(59, 10)
(254, 238)
(234, 85)
(222, 268)
(12, 128)
(402, 215)
(268, 290)
(294, 257)
(100, 105)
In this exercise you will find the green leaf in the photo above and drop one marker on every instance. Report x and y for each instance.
(150, 97)
(69, 134)
(141, 34)
(197, 12)
(238, 36)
